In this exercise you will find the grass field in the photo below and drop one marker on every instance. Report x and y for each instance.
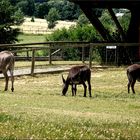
(31, 38)
(36, 109)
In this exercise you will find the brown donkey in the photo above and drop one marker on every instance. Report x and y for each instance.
(7, 61)
(133, 74)
(77, 75)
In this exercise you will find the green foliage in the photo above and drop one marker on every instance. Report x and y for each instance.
(31, 7)
(30, 38)
(76, 33)
(52, 17)
(9, 16)
(97, 55)
(97, 11)
(110, 25)
(32, 19)
(67, 10)
(23, 6)
(125, 20)
(41, 9)
(72, 54)
(19, 17)
(27, 7)
(107, 21)
(82, 20)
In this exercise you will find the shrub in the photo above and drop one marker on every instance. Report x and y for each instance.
(52, 17)
(77, 33)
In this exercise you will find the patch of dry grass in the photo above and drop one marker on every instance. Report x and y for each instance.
(40, 26)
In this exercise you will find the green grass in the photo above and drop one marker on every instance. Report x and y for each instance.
(31, 38)
(36, 109)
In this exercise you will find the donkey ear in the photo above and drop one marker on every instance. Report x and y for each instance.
(64, 81)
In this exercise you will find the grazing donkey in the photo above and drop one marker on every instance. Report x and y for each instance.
(77, 75)
(7, 63)
(133, 74)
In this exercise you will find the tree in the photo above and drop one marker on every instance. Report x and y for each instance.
(82, 20)
(67, 10)
(27, 7)
(9, 16)
(41, 9)
(107, 22)
(125, 21)
(22, 5)
(52, 17)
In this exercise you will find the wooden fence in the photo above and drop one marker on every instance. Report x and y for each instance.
(58, 45)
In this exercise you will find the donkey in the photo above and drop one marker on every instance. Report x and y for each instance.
(77, 75)
(7, 61)
(133, 74)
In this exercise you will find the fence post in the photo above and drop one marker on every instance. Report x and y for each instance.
(90, 55)
(83, 54)
(50, 56)
(28, 55)
(33, 62)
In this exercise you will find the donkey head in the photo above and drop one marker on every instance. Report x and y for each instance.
(65, 86)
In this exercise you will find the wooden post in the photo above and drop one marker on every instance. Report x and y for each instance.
(33, 62)
(50, 56)
(106, 56)
(83, 54)
(90, 56)
(28, 55)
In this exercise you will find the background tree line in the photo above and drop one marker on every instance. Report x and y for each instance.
(41, 8)
(12, 13)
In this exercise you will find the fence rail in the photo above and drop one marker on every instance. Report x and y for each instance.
(17, 48)
(73, 43)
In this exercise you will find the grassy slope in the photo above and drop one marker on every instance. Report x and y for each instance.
(36, 109)
(31, 38)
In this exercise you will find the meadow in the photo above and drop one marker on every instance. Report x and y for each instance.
(31, 38)
(36, 110)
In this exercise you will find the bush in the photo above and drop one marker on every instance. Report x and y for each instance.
(77, 33)
(52, 17)
(82, 20)
(32, 19)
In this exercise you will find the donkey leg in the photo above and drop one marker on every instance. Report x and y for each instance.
(75, 89)
(130, 80)
(89, 88)
(85, 88)
(128, 86)
(12, 80)
(6, 80)
(72, 89)
(132, 86)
